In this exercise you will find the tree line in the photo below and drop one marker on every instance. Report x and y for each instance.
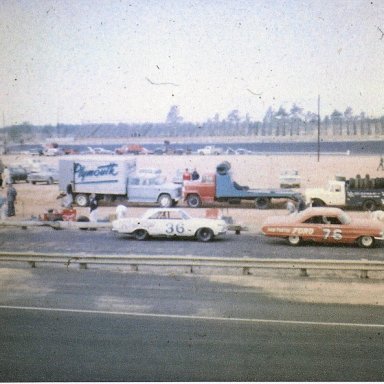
(294, 122)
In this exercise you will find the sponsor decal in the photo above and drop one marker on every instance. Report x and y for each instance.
(81, 172)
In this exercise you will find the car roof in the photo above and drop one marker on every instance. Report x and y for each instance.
(323, 211)
(151, 211)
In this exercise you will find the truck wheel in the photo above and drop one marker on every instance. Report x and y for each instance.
(294, 240)
(366, 241)
(318, 203)
(81, 200)
(141, 234)
(194, 201)
(165, 201)
(204, 234)
(369, 205)
(262, 202)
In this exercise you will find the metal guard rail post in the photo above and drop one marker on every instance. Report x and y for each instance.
(191, 261)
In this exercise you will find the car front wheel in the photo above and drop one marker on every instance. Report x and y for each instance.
(366, 242)
(294, 240)
(204, 234)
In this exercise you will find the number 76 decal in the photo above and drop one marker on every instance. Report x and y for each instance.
(336, 234)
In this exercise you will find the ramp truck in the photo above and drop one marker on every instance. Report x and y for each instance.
(220, 187)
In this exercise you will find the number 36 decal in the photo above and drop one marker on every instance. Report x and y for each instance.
(335, 234)
(171, 228)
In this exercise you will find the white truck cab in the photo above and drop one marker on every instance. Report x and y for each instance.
(334, 194)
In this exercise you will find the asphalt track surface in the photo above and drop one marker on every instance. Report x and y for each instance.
(106, 242)
(99, 325)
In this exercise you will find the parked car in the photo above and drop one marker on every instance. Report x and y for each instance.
(18, 173)
(149, 171)
(290, 178)
(44, 175)
(324, 225)
(171, 223)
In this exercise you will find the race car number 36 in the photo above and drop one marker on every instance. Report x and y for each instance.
(171, 228)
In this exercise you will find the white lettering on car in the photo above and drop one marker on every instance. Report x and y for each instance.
(336, 234)
(302, 231)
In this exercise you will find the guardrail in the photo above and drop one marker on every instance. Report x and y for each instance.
(237, 228)
(245, 264)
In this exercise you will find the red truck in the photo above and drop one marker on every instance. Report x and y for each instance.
(220, 187)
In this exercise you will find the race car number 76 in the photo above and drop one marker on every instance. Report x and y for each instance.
(336, 234)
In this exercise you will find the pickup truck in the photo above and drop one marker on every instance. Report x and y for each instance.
(365, 193)
(220, 187)
(109, 178)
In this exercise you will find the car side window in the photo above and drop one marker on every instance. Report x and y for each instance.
(314, 220)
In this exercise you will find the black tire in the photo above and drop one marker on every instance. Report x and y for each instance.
(50, 181)
(141, 234)
(366, 242)
(369, 205)
(318, 203)
(294, 240)
(165, 200)
(33, 182)
(194, 201)
(262, 202)
(83, 219)
(204, 234)
(82, 200)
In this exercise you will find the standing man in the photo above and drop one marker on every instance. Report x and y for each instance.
(186, 175)
(1, 173)
(93, 208)
(195, 175)
(11, 198)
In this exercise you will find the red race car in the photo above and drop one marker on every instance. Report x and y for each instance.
(324, 225)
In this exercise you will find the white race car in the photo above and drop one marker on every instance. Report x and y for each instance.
(170, 222)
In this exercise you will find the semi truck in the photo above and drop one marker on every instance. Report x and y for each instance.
(366, 193)
(220, 187)
(110, 178)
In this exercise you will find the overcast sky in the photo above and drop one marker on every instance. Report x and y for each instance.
(81, 61)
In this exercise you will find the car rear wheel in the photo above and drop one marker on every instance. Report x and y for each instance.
(194, 201)
(204, 234)
(294, 240)
(83, 219)
(141, 234)
(366, 242)
(165, 201)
